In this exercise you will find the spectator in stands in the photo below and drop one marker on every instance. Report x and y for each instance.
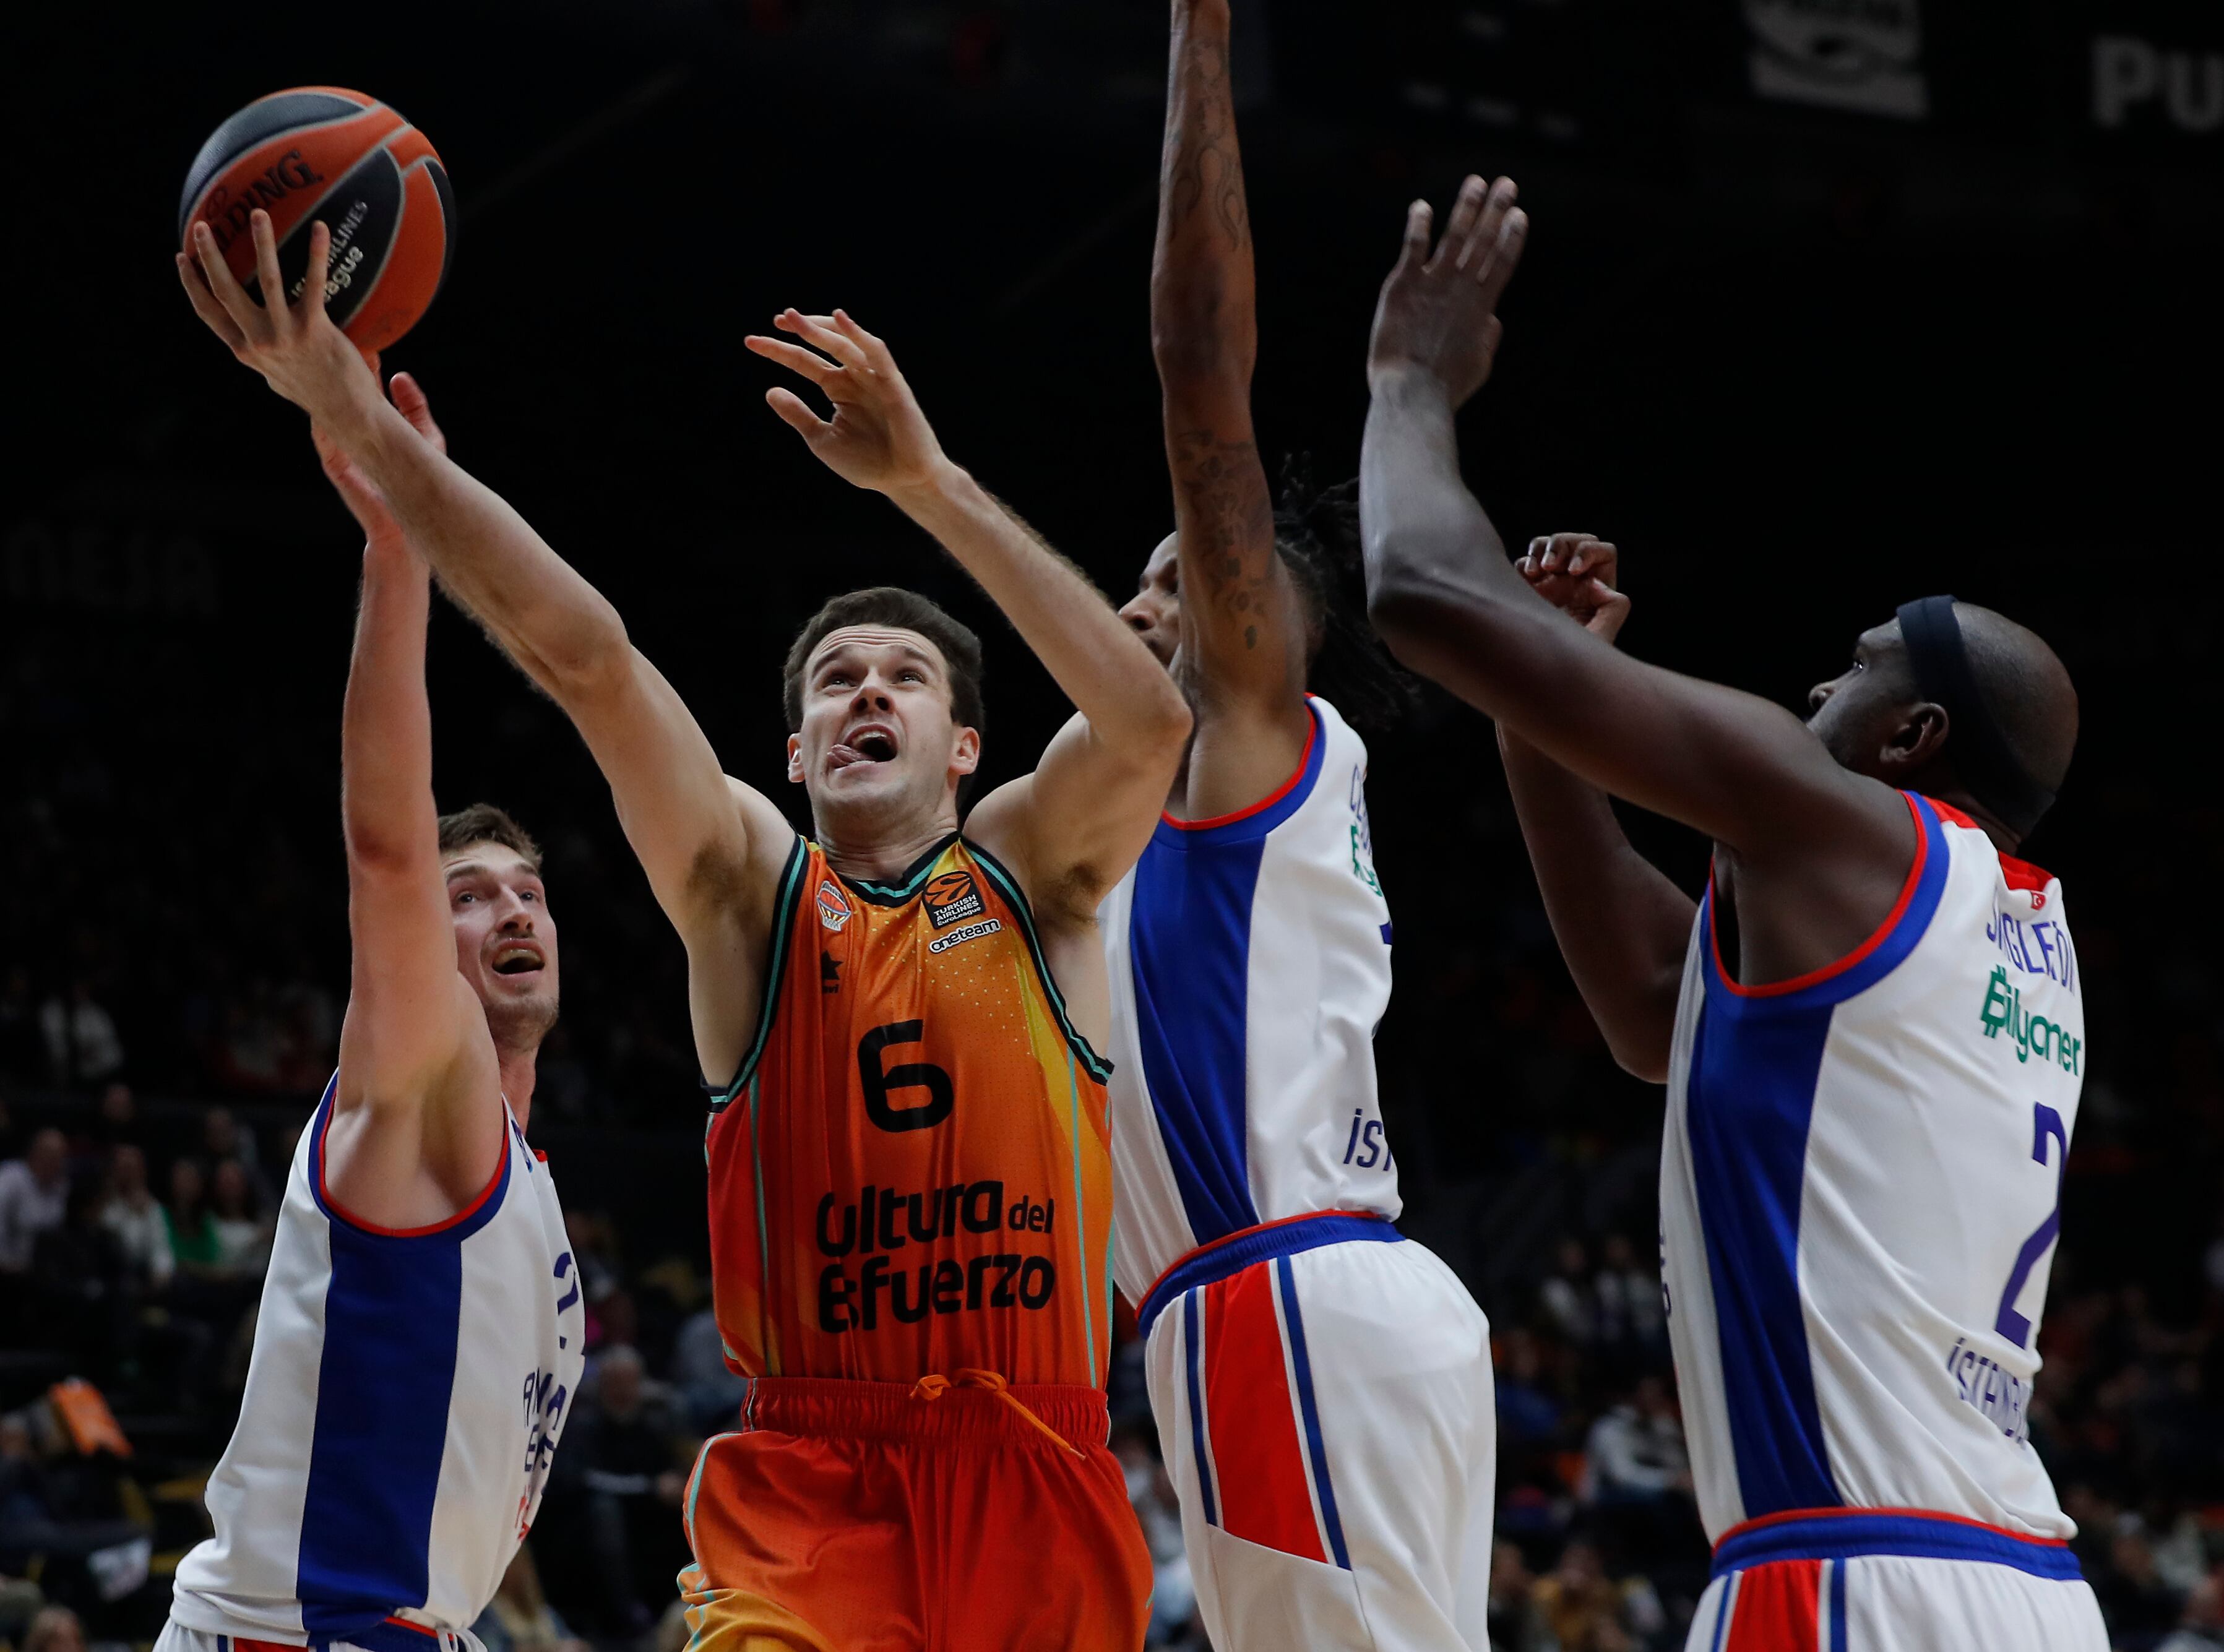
(1588, 1612)
(223, 1138)
(621, 1462)
(118, 1119)
(55, 1628)
(1635, 1452)
(23, 1046)
(2201, 1629)
(193, 1244)
(1516, 1626)
(243, 1233)
(519, 1618)
(130, 1211)
(34, 1195)
(2139, 1604)
(83, 1046)
(82, 1282)
(1527, 1412)
(1631, 1328)
(708, 1388)
(1567, 1297)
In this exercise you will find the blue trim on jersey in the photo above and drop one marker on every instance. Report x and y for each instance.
(1189, 935)
(1755, 1063)
(1838, 1606)
(461, 1226)
(1194, 1351)
(1207, 1267)
(393, 1321)
(1911, 1534)
(1309, 1407)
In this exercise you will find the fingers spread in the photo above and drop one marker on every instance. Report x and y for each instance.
(821, 331)
(1460, 224)
(205, 306)
(876, 351)
(814, 367)
(245, 313)
(1506, 254)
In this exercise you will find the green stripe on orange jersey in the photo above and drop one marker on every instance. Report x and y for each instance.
(912, 1171)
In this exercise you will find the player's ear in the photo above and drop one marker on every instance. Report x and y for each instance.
(795, 758)
(965, 751)
(1918, 740)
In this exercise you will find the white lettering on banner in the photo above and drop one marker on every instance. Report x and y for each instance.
(2127, 71)
(1860, 54)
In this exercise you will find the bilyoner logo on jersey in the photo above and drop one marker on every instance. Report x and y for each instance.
(952, 898)
(833, 909)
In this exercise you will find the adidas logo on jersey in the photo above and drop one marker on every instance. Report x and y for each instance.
(952, 898)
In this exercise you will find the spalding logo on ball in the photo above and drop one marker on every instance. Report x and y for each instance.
(325, 153)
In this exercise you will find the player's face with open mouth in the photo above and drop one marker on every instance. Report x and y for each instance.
(505, 938)
(878, 729)
(1155, 611)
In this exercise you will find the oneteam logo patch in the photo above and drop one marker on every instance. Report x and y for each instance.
(970, 932)
(952, 898)
(833, 909)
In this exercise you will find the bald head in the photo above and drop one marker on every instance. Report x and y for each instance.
(2025, 687)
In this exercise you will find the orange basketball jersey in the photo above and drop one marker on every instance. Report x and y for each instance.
(911, 1174)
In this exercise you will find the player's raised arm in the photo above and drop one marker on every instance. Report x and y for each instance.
(1076, 825)
(414, 1055)
(1622, 926)
(1451, 606)
(711, 847)
(1243, 635)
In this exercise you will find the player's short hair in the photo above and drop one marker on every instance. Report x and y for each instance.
(1317, 534)
(484, 823)
(903, 610)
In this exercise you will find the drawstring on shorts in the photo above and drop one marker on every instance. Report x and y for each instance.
(934, 1385)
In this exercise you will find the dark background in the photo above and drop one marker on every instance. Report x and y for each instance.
(1801, 361)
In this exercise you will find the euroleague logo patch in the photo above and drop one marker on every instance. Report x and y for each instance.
(833, 910)
(952, 898)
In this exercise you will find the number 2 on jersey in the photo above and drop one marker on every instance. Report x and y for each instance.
(2046, 1123)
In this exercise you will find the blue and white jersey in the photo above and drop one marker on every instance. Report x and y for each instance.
(1250, 961)
(402, 1407)
(1859, 1191)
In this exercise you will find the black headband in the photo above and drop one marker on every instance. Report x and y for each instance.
(1981, 755)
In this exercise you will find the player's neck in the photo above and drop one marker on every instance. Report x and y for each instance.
(519, 1070)
(874, 853)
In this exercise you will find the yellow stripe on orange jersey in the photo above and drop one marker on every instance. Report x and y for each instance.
(912, 1172)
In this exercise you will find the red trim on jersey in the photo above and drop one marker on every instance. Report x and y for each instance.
(1948, 813)
(1258, 1462)
(324, 1194)
(1760, 1522)
(1776, 1608)
(2020, 874)
(1813, 977)
(403, 1623)
(1187, 1256)
(1312, 732)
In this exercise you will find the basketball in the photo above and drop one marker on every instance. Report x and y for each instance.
(323, 153)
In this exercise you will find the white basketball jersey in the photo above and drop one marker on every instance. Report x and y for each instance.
(403, 1405)
(1859, 1191)
(1250, 962)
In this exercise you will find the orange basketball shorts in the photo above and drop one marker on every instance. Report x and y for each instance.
(855, 1517)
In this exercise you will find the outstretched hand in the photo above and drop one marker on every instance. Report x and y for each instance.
(295, 347)
(1437, 314)
(365, 502)
(1575, 573)
(878, 438)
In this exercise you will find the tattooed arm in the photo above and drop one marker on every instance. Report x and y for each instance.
(1243, 628)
